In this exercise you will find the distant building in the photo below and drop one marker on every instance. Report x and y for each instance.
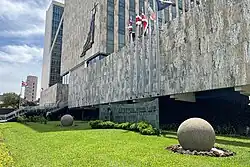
(1, 99)
(52, 45)
(31, 88)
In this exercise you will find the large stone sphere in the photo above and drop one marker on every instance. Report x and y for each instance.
(67, 120)
(196, 134)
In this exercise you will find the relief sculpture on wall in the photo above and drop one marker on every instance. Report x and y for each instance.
(91, 35)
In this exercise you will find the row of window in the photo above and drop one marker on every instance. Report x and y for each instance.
(55, 79)
(55, 62)
(121, 24)
(110, 27)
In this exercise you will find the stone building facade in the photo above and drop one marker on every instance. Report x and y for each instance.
(136, 112)
(203, 49)
(56, 94)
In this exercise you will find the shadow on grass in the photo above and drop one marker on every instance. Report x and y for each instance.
(173, 135)
(233, 143)
(55, 126)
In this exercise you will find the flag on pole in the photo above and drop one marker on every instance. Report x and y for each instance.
(130, 25)
(163, 4)
(24, 84)
(152, 13)
(144, 23)
(130, 28)
(138, 20)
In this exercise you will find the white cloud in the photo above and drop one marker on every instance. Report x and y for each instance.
(21, 21)
(20, 53)
(24, 17)
(34, 30)
(13, 10)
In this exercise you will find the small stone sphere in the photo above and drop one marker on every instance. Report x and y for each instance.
(196, 134)
(67, 120)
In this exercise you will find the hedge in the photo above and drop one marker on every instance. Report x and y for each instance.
(141, 127)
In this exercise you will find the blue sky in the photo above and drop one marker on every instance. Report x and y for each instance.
(22, 25)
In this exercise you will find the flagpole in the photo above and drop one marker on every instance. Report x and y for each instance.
(150, 51)
(19, 105)
(157, 50)
(143, 56)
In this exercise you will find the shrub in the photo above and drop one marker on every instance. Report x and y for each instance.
(134, 127)
(22, 119)
(95, 124)
(118, 126)
(107, 125)
(125, 126)
(143, 125)
(148, 131)
(157, 131)
(43, 120)
(36, 118)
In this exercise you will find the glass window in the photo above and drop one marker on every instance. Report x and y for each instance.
(173, 12)
(142, 5)
(121, 38)
(132, 5)
(110, 26)
(121, 24)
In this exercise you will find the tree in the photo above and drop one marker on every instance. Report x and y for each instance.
(10, 100)
(29, 103)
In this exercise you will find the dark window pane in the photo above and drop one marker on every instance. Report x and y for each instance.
(110, 26)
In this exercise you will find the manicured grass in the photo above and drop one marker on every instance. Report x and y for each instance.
(38, 145)
(5, 158)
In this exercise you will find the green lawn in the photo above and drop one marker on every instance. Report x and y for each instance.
(38, 145)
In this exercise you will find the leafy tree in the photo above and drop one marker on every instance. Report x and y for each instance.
(29, 103)
(10, 100)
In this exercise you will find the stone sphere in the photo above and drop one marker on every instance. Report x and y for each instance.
(67, 120)
(196, 134)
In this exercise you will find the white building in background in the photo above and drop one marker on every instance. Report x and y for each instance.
(52, 46)
(31, 88)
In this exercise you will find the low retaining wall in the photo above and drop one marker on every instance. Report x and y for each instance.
(136, 112)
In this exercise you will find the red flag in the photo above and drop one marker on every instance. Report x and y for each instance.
(144, 23)
(24, 84)
(138, 20)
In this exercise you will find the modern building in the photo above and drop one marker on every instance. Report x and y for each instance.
(52, 45)
(31, 88)
(192, 64)
(85, 44)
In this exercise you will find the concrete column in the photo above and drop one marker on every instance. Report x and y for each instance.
(177, 8)
(126, 22)
(183, 8)
(137, 7)
(170, 13)
(116, 23)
